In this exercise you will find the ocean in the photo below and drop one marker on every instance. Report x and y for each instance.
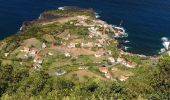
(145, 21)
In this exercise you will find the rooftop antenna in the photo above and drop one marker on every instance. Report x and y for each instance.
(121, 22)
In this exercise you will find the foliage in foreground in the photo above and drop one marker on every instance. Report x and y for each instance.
(18, 83)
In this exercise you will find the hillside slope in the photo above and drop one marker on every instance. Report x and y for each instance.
(71, 54)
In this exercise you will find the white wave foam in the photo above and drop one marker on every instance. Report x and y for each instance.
(162, 50)
(97, 15)
(166, 43)
(126, 48)
(140, 55)
(164, 39)
(21, 28)
(126, 41)
(113, 26)
(40, 16)
(60, 8)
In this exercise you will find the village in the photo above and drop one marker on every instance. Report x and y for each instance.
(98, 38)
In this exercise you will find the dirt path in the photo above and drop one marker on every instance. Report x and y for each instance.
(75, 51)
(61, 20)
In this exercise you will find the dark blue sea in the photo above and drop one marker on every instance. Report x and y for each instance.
(146, 21)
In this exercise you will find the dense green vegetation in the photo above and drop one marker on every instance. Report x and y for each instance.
(18, 83)
(20, 80)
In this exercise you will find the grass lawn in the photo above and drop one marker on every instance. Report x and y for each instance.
(6, 62)
(32, 42)
(82, 75)
(118, 72)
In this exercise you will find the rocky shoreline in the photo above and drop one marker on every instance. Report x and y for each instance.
(47, 16)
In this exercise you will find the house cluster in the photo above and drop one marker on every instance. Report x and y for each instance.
(93, 32)
(118, 31)
(34, 53)
(105, 70)
(88, 44)
(126, 63)
(29, 52)
(72, 45)
(82, 21)
(108, 74)
(100, 43)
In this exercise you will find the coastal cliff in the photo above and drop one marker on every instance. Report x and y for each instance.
(69, 53)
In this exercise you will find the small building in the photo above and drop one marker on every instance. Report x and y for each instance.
(33, 52)
(131, 64)
(98, 44)
(99, 53)
(120, 60)
(60, 72)
(67, 54)
(122, 78)
(6, 54)
(38, 59)
(108, 75)
(82, 68)
(20, 63)
(103, 69)
(25, 49)
(72, 45)
(109, 52)
(89, 44)
(44, 45)
(50, 54)
(111, 59)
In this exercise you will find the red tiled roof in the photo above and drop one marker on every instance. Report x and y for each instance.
(37, 57)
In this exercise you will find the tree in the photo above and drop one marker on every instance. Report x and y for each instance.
(161, 79)
(5, 78)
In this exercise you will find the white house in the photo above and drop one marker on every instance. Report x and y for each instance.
(67, 54)
(49, 53)
(83, 68)
(120, 60)
(6, 54)
(25, 49)
(60, 72)
(72, 45)
(123, 78)
(108, 75)
(44, 45)
(111, 59)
